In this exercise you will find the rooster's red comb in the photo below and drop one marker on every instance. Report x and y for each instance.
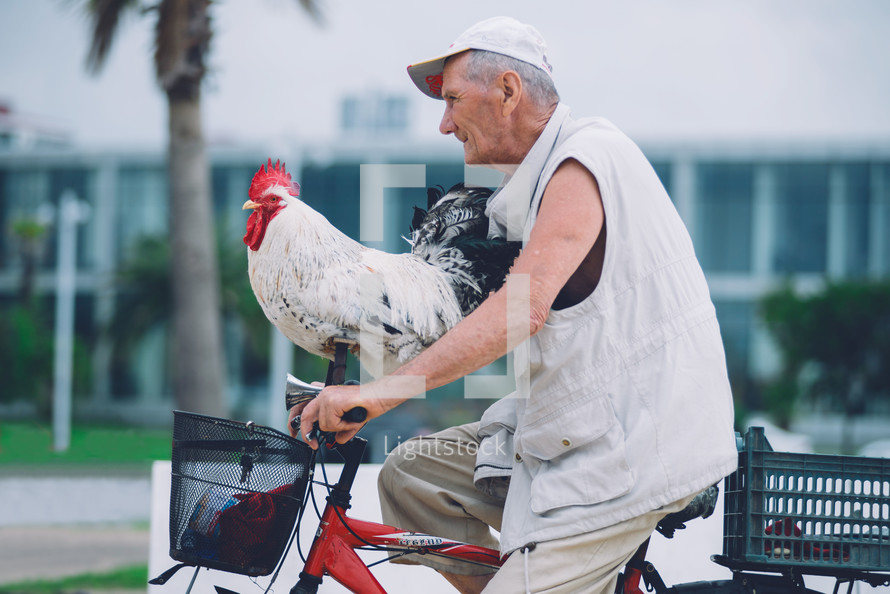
(275, 175)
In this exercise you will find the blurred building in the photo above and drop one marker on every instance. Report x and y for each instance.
(758, 214)
(20, 131)
(371, 115)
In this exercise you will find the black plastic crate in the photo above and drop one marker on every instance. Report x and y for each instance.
(236, 491)
(816, 513)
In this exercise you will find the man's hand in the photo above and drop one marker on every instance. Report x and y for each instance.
(328, 409)
(293, 414)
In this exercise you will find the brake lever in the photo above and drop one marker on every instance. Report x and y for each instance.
(323, 437)
(328, 437)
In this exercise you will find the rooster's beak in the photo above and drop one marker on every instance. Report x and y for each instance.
(250, 205)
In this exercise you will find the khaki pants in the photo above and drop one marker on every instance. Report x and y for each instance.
(426, 485)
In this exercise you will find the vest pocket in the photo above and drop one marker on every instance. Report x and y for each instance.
(575, 456)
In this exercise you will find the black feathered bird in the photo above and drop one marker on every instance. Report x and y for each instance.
(453, 235)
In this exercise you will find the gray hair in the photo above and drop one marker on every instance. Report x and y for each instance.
(483, 66)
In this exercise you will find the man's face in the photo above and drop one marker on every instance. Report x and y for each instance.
(472, 114)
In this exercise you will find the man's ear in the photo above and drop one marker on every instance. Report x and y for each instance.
(511, 86)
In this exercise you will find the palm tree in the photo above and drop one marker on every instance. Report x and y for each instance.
(182, 41)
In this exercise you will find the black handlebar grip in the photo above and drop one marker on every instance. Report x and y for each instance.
(356, 415)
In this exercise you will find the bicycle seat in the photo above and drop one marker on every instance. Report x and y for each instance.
(702, 506)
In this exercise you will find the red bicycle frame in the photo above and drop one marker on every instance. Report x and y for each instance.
(338, 536)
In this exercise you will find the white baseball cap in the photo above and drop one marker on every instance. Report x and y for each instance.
(502, 35)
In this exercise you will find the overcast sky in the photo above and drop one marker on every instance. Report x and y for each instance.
(660, 69)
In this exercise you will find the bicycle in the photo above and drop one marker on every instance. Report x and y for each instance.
(786, 515)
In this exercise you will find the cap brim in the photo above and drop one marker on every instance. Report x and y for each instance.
(427, 75)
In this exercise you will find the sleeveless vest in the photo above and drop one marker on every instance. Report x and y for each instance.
(622, 401)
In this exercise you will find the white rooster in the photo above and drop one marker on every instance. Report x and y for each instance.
(319, 287)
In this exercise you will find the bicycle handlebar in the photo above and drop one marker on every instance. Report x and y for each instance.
(355, 415)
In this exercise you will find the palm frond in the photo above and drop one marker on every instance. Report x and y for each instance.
(313, 9)
(105, 16)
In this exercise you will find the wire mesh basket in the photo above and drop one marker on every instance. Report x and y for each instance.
(236, 491)
(818, 513)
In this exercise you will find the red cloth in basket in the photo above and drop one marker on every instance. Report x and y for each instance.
(246, 528)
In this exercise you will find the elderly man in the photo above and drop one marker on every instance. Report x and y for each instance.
(622, 410)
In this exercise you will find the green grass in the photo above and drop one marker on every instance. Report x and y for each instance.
(125, 578)
(31, 444)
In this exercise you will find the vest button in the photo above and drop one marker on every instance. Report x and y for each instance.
(566, 442)
(518, 458)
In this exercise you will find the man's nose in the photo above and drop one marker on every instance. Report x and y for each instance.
(446, 126)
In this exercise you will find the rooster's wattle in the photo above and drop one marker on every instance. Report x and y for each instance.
(319, 287)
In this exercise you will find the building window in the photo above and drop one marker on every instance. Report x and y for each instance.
(230, 184)
(880, 252)
(801, 218)
(21, 196)
(142, 210)
(723, 220)
(736, 319)
(374, 114)
(396, 114)
(856, 234)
